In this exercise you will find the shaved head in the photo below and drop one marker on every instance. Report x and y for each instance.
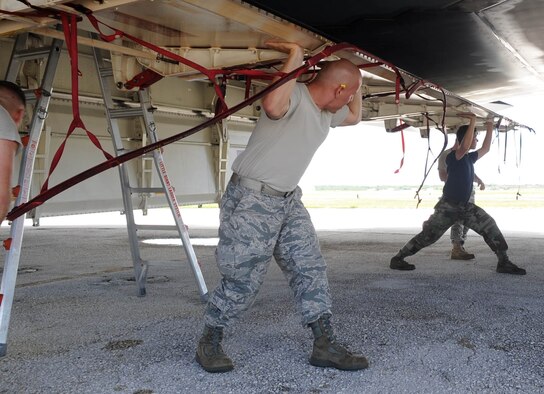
(12, 98)
(335, 85)
(340, 72)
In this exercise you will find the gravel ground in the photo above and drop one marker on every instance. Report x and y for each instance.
(77, 325)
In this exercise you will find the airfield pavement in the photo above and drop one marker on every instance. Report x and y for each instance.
(77, 325)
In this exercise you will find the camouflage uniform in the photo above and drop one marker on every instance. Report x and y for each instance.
(447, 213)
(458, 232)
(253, 228)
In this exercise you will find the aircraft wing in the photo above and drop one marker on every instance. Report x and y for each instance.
(418, 57)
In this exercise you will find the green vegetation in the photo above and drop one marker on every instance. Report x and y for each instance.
(530, 196)
(496, 196)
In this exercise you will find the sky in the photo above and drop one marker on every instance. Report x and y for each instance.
(367, 155)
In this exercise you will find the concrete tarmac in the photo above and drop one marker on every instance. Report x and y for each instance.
(78, 326)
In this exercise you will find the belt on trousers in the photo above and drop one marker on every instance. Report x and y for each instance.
(258, 186)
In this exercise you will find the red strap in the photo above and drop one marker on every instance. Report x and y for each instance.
(115, 161)
(414, 88)
(144, 79)
(7, 243)
(402, 127)
(15, 191)
(38, 12)
(69, 23)
(428, 170)
(397, 89)
(220, 105)
(248, 87)
(210, 73)
(25, 139)
(38, 93)
(505, 145)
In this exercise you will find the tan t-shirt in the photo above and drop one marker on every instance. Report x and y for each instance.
(8, 128)
(279, 151)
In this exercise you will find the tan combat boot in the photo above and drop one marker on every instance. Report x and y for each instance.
(210, 354)
(458, 252)
(328, 353)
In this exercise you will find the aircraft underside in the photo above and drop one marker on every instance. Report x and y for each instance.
(231, 35)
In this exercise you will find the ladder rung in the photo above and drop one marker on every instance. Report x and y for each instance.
(32, 53)
(116, 113)
(30, 96)
(155, 227)
(147, 190)
(106, 72)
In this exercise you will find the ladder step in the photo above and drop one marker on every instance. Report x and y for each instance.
(118, 113)
(32, 53)
(106, 72)
(30, 96)
(158, 190)
(155, 227)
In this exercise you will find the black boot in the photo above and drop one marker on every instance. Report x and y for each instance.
(210, 354)
(505, 266)
(398, 263)
(328, 353)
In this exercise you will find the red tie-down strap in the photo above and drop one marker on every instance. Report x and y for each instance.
(39, 12)
(427, 166)
(144, 79)
(115, 161)
(69, 24)
(213, 74)
(401, 128)
(15, 191)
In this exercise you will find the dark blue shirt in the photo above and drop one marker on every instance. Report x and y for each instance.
(460, 180)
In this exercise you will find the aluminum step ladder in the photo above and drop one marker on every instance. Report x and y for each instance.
(19, 55)
(143, 111)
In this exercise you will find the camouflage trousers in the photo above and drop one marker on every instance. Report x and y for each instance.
(447, 213)
(458, 231)
(255, 227)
